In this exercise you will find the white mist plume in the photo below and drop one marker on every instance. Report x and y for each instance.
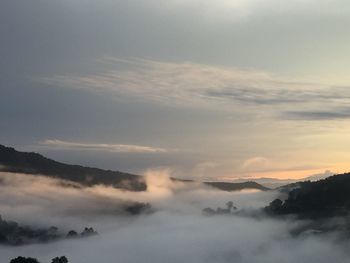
(176, 232)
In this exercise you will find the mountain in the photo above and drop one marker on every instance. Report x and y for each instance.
(273, 183)
(324, 198)
(34, 163)
(237, 186)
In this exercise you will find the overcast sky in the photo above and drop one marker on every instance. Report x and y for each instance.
(205, 89)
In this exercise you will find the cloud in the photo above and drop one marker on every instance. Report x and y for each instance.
(176, 232)
(161, 81)
(280, 92)
(114, 148)
(36, 198)
(332, 114)
(194, 84)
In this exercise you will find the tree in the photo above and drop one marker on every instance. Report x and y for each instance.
(72, 234)
(24, 260)
(62, 259)
(274, 206)
(88, 231)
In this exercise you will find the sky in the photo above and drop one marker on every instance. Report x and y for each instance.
(206, 90)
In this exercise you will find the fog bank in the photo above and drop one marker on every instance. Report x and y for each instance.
(176, 231)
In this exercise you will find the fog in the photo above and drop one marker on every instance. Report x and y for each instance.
(176, 231)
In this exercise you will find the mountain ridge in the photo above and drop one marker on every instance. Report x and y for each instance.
(324, 198)
(15, 161)
(35, 163)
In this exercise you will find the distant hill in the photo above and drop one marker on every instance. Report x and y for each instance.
(323, 198)
(273, 183)
(34, 163)
(237, 186)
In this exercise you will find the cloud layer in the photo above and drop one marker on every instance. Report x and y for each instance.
(176, 232)
(117, 148)
(192, 84)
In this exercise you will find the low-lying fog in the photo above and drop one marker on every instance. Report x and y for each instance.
(177, 231)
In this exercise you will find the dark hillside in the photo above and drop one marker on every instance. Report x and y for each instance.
(34, 163)
(324, 198)
(237, 186)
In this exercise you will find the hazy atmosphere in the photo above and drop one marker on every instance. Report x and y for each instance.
(222, 89)
(178, 232)
(174, 131)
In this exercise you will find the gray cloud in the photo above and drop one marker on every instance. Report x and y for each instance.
(283, 92)
(317, 115)
(199, 84)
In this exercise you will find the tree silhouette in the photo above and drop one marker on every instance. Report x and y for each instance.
(72, 234)
(62, 259)
(24, 260)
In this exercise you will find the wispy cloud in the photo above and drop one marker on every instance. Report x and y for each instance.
(163, 81)
(117, 148)
(279, 92)
(331, 114)
(195, 84)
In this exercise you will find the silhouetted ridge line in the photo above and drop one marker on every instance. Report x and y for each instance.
(324, 198)
(226, 186)
(15, 161)
(34, 163)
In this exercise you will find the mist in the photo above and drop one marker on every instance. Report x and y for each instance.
(176, 230)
